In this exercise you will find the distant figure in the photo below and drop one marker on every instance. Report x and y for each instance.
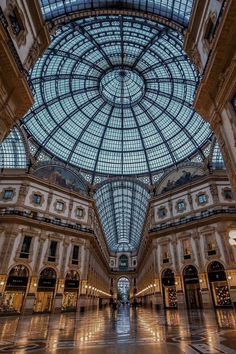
(114, 305)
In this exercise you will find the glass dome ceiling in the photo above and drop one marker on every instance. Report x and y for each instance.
(12, 151)
(113, 96)
(175, 10)
(122, 206)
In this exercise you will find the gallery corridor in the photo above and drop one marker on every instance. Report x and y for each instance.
(126, 330)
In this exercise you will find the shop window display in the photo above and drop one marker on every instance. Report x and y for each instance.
(219, 285)
(169, 289)
(45, 291)
(70, 296)
(14, 294)
(222, 295)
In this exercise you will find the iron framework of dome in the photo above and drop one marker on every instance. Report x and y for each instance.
(122, 207)
(114, 96)
(177, 11)
(12, 151)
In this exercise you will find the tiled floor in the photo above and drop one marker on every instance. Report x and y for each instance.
(124, 331)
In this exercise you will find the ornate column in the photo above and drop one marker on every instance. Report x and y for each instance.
(190, 200)
(214, 192)
(41, 242)
(196, 238)
(49, 201)
(225, 248)
(223, 140)
(70, 209)
(175, 254)
(66, 242)
(170, 206)
(22, 195)
(7, 248)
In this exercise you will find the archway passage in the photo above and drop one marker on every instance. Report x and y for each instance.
(123, 289)
(219, 285)
(169, 289)
(14, 294)
(192, 288)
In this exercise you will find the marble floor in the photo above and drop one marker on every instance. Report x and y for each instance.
(123, 331)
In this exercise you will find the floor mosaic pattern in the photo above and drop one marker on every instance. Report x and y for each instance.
(123, 331)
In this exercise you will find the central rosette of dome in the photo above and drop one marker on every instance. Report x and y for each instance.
(122, 86)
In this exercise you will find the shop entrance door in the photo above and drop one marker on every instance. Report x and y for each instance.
(44, 301)
(192, 288)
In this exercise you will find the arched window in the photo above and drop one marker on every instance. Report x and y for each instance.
(72, 275)
(48, 273)
(19, 271)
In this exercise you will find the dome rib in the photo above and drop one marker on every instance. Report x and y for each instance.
(121, 109)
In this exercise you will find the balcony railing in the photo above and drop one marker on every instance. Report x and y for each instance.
(34, 216)
(206, 214)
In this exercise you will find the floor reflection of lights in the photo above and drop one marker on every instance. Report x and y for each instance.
(123, 331)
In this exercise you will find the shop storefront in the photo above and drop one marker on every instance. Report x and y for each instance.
(70, 296)
(169, 289)
(219, 285)
(14, 294)
(45, 291)
(192, 288)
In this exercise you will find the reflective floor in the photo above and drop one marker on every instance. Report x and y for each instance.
(123, 331)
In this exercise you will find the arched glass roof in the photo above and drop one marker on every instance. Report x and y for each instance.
(12, 151)
(217, 158)
(178, 11)
(114, 96)
(122, 207)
